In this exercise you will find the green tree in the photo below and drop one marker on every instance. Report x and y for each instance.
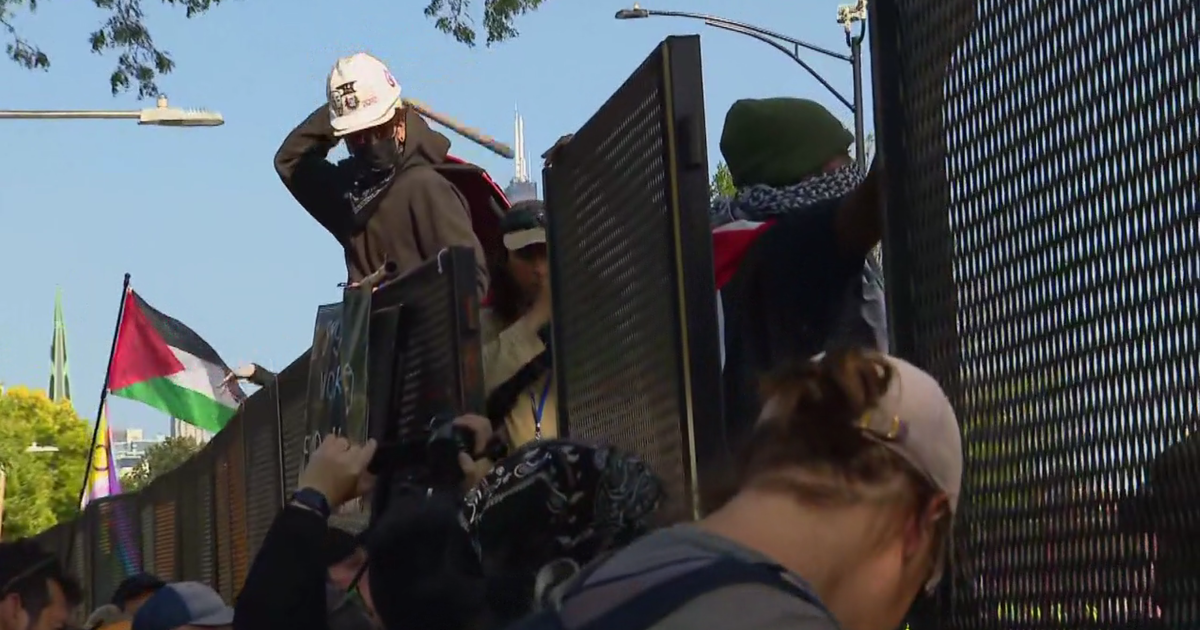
(159, 460)
(722, 183)
(140, 61)
(42, 487)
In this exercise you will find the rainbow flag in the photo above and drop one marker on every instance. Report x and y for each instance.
(103, 478)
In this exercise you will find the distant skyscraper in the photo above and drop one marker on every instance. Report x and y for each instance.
(520, 188)
(60, 373)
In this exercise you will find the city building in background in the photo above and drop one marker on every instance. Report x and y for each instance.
(60, 373)
(179, 428)
(129, 447)
(521, 188)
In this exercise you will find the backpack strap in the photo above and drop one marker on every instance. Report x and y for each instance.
(651, 606)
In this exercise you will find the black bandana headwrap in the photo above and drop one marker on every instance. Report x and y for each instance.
(554, 503)
(561, 500)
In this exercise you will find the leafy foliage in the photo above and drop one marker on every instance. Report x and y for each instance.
(140, 61)
(42, 487)
(159, 460)
(453, 17)
(721, 184)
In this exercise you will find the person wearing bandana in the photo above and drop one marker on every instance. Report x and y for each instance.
(386, 202)
(795, 249)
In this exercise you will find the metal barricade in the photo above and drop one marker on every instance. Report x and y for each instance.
(1043, 260)
(115, 553)
(635, 338)
(262, 415)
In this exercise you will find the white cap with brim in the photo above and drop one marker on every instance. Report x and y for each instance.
(362, 94)
(524, 238)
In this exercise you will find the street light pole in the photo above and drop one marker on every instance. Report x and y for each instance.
(162, 115)
(790, 46)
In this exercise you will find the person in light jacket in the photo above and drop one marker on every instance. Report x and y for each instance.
(516, 331)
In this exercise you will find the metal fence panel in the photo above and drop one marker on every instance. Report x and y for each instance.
(164, 493)
(424, 355)
(190, 519)
(1043, 259)
(635, 331)
(146, 518)
(237, 502)
(222, 521)
(264, 462)
(114, 536)
(293, 387)
(202, 478)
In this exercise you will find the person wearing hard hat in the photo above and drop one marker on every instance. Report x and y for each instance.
(386, 202)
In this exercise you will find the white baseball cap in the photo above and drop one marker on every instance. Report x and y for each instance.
(362, 94)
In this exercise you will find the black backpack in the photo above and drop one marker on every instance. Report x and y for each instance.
(649, 607)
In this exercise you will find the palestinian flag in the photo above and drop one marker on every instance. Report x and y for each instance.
(164, 364)
(730, 244)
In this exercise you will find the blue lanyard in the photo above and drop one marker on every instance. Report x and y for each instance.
(538, 408)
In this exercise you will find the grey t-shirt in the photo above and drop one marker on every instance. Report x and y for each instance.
(671, 552)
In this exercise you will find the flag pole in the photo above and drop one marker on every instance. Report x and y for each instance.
(87, 471)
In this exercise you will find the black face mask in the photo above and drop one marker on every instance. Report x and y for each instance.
(379, 156)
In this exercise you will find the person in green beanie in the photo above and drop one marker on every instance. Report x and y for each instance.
(793, 247)
(515, 331)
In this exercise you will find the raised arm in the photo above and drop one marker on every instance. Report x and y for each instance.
(318, 185)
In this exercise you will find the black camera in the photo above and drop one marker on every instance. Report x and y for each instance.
(430, 460)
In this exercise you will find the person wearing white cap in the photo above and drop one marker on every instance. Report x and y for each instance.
(842, 515)
(386, 202)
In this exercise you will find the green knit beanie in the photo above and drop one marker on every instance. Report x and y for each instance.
(780, 141)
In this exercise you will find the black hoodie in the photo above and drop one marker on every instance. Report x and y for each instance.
(414, 217)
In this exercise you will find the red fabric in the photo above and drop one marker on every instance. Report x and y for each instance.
(730, 244)
(479, 189)
(141, 354)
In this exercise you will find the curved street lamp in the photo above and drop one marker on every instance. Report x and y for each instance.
(848, 15)
(161, 115)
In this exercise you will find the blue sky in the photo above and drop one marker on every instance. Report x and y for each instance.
(199, 218)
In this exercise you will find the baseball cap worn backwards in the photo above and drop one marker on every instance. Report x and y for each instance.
(183, 604)
(523, 225)
(362, 94)
(915, 420)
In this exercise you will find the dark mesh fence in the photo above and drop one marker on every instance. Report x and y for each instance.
(264, 463)
(191, 519)
(1043, 257)
(115, 552)
(635, 336)
(206, 520)
(424, 357)
(293, 383)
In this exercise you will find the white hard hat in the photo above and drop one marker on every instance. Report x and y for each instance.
(362, 94)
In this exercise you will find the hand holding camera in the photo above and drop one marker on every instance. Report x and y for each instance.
(338, 470)
(480, 429)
